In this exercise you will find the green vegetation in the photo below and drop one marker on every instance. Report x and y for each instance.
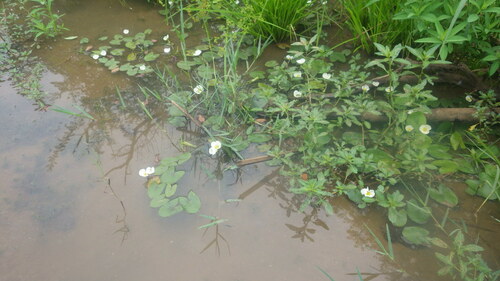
(337, 125)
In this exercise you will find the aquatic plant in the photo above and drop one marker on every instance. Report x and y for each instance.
(162, 186)
(132, 54)
(43, 20)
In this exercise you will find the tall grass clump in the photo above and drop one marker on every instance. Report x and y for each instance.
(276, 19)
(370, 21)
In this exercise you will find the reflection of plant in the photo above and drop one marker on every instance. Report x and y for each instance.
(43, 21)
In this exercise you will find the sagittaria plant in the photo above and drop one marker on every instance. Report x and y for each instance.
(131, 54)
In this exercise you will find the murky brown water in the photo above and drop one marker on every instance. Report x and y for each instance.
(64, 179)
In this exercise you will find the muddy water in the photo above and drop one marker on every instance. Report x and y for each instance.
(74, 208)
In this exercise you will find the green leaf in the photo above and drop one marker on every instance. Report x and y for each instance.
(259, 138)
(397, 217)
(472, 18)
(171, 178)
(429, 40)
(170, 190)
(131, 45)
(416, 119)
(155, 189)
(417, 213)
(102, 38)
(446, 166)
(439, 151)
(472, 248)
(438, 242)
(416, 235)
(171, 208)
(328, 208)
(185, 64)
(151, 56)
(183, 158)
(117, 52)
(444, 195)
(193, 203)
(158, 202)
(457, 141)
(70, 38)
(131, 57)
(84, 40)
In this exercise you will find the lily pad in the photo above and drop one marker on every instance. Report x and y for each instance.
(171, 208)
(193, 203)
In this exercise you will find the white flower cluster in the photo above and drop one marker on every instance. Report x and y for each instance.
(367, 192)
(214, 147)
(146, 172)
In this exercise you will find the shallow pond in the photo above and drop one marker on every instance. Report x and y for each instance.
(73, 206)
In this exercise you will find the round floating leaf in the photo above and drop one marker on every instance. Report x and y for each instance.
(131, 57)
(416, 235)
(131, 45)
(117, 52)
(131, 71)
(171, 208)
(158, 202)
(151, 56)
(155, 189)
(170, 190)
(183, 158)
(84, 40)
(185, 65)
(171, 178)
(193, 203)
(103, 38)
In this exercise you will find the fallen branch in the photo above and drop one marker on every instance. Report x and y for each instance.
(253, 160)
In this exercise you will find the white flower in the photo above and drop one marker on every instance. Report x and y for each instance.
(212, 151)
(297, 74)
(150, 170)
(409, 128)
(197, 53)
(103, 53)
(468, 98)
(375, 83)
(425, 129)
(289, 57)
(170, 3)
(389, 89)
(365, 88)
(367, 192)
(142, 67)
(95, 56)
(198, 89)
(297, 94)
(167, 50)
(301, 61)
(143, 173)
(216, 144)
(237, 2)
(165, 38)
(125, 31)
(325, 2)
(326, 76)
